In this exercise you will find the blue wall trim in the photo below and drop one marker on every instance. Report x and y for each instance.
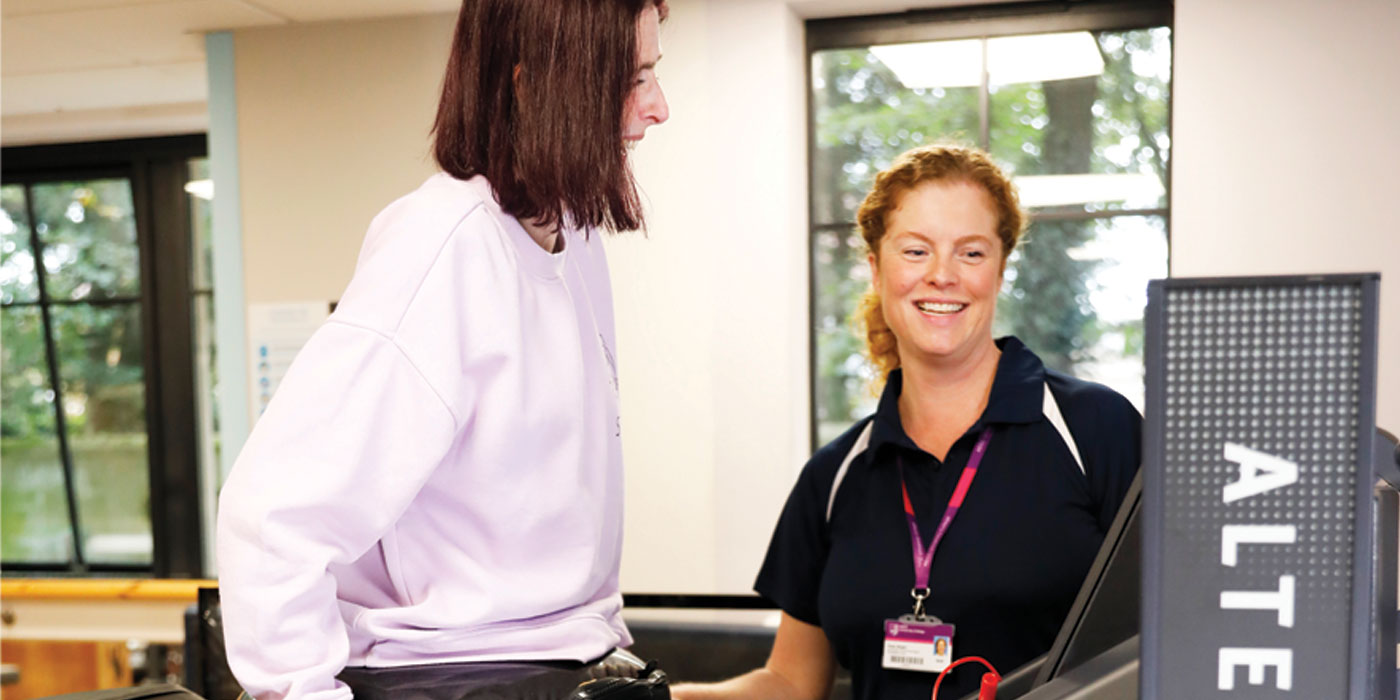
(229, 304)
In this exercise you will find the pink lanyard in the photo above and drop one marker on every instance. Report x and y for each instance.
(923, 558)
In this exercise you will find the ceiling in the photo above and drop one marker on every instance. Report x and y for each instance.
(85, 69)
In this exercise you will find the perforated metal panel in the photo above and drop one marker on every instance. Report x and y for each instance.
(1248, 381)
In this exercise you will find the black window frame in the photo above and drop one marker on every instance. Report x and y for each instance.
(158, 169)
(952, 23)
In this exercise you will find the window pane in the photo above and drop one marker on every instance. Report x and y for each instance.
(206, 382)
(206, 377)
(17, 280)
(88, 230)
(865, 116)
(843, 375)
(104, 400)
(201, 192)
(1081, 118)
(1082, 127)
(1075, 292)
(33, 503)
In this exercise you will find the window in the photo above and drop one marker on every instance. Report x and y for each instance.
(1074, 105)
(98, 441)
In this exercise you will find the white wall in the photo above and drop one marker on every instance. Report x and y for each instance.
(1285, 155)
(1291, 176)
(712, 305)
(333, 123)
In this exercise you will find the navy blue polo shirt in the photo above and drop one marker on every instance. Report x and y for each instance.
(1012, 561)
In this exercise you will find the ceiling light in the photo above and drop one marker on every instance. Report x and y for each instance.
(931, 64)
(204, 189)
(1134, 189)
(1033, 58)
(1040, 58)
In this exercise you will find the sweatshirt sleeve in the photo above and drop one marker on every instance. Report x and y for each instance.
(347, 442)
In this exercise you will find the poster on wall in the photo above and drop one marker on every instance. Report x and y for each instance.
(276, 333)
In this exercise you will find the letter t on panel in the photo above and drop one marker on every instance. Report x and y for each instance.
(1280, 600)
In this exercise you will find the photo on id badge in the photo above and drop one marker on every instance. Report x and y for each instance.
(918, 645)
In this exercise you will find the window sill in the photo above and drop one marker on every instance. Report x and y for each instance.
(184, 590)
(150, 610)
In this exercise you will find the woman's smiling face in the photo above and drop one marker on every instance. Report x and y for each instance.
(938, 271)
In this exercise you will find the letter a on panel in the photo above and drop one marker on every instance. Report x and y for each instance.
(1259, 472)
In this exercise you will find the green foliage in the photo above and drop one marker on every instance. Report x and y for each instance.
(26, 401)
(87, 235)
(88, 232)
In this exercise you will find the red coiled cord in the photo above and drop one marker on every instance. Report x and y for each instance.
(989, 680)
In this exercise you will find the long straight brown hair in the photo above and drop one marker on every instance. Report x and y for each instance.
(533, 99)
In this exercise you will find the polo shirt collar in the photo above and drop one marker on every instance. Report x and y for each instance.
(1016, 397)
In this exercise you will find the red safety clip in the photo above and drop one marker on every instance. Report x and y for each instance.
(989, 679)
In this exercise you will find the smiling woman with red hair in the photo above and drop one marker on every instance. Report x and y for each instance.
(920, 166)
(438, 478)
(970, 506)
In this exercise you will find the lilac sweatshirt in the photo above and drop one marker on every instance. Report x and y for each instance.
(439, 476)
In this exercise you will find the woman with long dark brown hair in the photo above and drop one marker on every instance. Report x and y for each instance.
(439, 476)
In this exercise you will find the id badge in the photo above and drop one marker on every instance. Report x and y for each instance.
(918, 645)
